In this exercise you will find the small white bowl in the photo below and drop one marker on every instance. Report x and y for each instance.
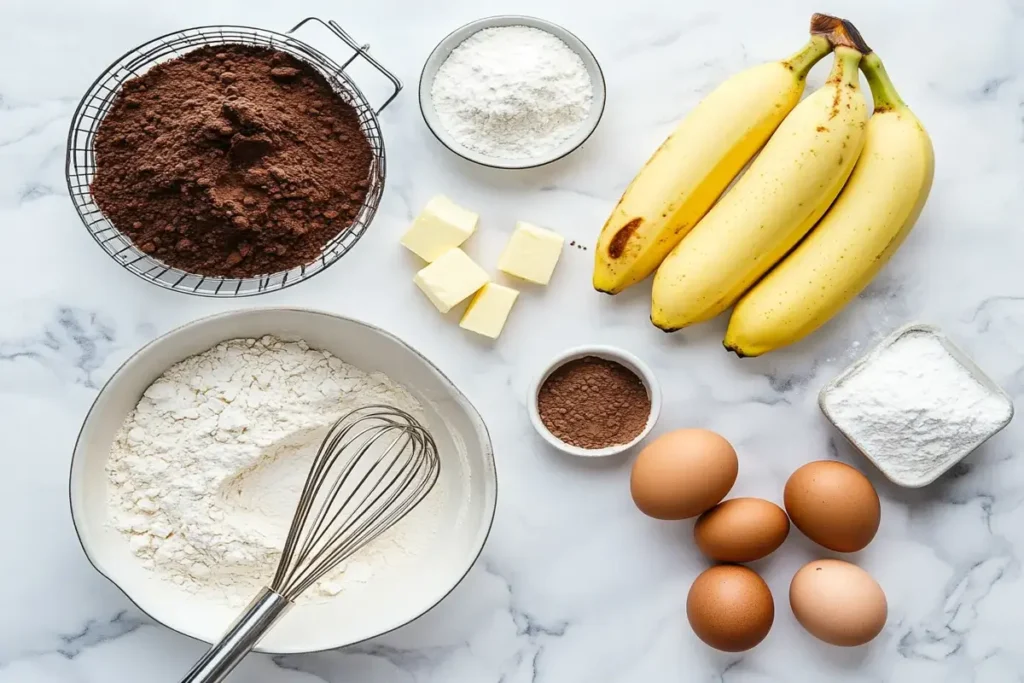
(457, 37)
(608, 353)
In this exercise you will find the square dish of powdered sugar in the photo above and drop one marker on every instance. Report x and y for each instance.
(916, 405)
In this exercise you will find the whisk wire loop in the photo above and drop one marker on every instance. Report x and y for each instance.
(374, 466)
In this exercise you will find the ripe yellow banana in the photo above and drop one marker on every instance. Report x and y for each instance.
(685, 176)
(859, 234)
(771, 207)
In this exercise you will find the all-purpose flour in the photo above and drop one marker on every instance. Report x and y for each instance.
(205, 473)
(512, 92)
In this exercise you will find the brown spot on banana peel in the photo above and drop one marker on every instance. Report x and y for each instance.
(618, 244)
(822, 129)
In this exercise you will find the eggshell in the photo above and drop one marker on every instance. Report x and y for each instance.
(730, 608)
(838, 602)
(741, 530)
(834, 505)
(683, 473)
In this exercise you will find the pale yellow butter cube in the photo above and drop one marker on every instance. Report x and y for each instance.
(489, 310)
(441, 225)
(450, 279)
(531, 253)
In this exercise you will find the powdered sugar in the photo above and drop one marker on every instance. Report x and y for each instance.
(512, 92)
(205, 473)
(915, 409)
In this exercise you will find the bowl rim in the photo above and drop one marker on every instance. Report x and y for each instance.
(608, 352)
(458, 36)
(958, 355)
(473, 413)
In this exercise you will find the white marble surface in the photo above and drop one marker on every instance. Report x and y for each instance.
(575, 584)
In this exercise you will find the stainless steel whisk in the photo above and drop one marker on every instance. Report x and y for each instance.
(374, 466)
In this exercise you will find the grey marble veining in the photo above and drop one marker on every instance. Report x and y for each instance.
(574, 584)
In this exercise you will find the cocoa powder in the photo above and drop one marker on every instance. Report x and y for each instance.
(231, 161)
(592, 402)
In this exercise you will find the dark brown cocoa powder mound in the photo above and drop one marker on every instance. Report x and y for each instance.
(591, 402)
(231, 161)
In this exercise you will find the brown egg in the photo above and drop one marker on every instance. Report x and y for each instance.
(838, 602)
(730, 608)
(683, 473)
(834, 505)
(741, 530)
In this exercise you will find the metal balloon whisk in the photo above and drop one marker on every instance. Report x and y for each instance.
(374, 466)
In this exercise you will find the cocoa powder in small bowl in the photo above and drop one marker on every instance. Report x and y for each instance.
(595, 403)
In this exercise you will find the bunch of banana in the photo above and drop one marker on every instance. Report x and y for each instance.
(868, 222)
(691, 169)
(779, 242)
(787, 188)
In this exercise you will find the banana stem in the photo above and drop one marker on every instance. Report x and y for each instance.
(811, 53)
(839, 32)
(845, 68)
(882, 90)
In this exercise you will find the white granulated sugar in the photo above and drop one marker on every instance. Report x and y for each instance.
(205, 473)
(512, 92)
(915, 409)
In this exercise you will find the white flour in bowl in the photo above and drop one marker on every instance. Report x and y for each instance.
(512, 92)
(205, 473)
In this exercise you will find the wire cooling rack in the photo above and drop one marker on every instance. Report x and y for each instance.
(81, 155)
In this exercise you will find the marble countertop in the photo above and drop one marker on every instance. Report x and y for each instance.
(574, 584)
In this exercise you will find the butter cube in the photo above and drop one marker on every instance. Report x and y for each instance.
(441, 225)
(489, 310)
(450, 279)
(531, 253)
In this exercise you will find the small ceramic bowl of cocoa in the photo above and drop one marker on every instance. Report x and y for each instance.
(595, 401)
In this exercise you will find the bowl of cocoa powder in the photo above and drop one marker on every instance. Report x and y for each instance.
(594, 401)
(226, 161)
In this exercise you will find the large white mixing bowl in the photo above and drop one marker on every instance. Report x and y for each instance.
(467, 468)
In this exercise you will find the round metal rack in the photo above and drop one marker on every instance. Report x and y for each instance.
(81, 154)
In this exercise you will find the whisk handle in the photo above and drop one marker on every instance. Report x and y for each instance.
(262, 613)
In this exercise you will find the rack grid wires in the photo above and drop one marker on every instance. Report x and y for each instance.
(81, 155)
